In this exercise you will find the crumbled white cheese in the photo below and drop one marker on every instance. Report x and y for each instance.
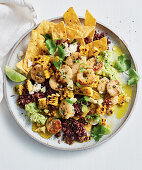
(30, 63)
(20, 54)
(93, 101)
(70, 85)
(100, 92)
(37, 87)
(43, 89)
(70, 49)
(100, 101)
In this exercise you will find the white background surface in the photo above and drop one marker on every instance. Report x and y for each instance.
(124, 151)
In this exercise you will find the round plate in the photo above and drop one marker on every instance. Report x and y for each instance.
(24, 121)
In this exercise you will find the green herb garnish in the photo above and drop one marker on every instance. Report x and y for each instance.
(82, 67)
(78, 61)
(95, 118)
(85, 109)
(47, 36)
(74, 41)
(122, 64)
(51, 46)
(78, 85)
(98, 131)
(61, 52)
(134, 77)
(57, 64)
(70, 101)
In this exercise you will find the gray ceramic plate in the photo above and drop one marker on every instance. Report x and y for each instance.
(24, 122)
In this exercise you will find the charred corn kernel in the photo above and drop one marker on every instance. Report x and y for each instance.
(44, 61)
(95, 84)
(103, 122)
(21, 89)
(67, 93)
(53, 99)
(101, 110)
(121, 99)
(84, 50)
(42, 103)
(87, 91)
(110, 110)
(29, 86)
(95, 95)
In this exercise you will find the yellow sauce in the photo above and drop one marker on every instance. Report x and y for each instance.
(45, 135)
(121, 110)
(117, 50)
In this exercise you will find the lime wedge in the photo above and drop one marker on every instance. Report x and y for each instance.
(14, 75)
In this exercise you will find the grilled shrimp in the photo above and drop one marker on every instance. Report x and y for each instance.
(92, 63)
(102, 84)
(66, 110)
(74, 58)
(64, 74)
(53, 125)
(37, 73)
(87, 77)
(113, 88)
(54, 84)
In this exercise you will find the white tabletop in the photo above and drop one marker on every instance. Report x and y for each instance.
(18, 151)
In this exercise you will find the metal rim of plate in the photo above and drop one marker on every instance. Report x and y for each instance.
(84, 147)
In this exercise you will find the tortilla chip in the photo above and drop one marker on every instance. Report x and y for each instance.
(93, 51)
(89, 19)
(84, 49)
(71, 18)
(45, 27)
(101, 44)
(20, 66)
(35, 47)
(91, 35)
(77, 32)
(81, 41)
(72, 33)
(59, 31)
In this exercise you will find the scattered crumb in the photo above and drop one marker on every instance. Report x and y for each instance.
(12, 95)
(20, 54)
(59, 141)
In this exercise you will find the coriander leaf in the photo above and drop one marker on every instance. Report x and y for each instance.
(133, 74)
(74, 41)
(61, 52)
(57, 64)
(134, 77)
(47, 36)
(132, 81)
(98, 131)
(51, 46)
(69, 101)
(122, 64)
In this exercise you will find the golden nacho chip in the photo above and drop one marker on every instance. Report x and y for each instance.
(35, 47)
(59, 31)
(101, 44)
(77, 32)
(71, 18)
(93, 51)
(84, 49)
(91, 35)
(81, 41)
(45, 27)
(89, 19)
